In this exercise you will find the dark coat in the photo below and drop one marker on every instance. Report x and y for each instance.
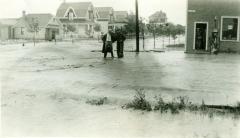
(113, 36)
(120, 37)
(120, 44)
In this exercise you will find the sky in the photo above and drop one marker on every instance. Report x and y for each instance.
(175, 9)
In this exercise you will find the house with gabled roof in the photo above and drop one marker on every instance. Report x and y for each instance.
(6, 28)
(158, 17)
(77, 18)
(120, 19)
(38, 26)
(105, 17)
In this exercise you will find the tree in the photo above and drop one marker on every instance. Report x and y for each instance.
(130, 27)
(97, 28)
(179, 30)
(169, 29)
(34, 27)
(158, 17)
(71, 28)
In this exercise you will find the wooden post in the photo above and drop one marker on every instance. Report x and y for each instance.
(137, 26)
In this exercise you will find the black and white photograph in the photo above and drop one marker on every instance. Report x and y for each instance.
(120, 68)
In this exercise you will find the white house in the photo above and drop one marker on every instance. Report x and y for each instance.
(77, 18)
(38, 26)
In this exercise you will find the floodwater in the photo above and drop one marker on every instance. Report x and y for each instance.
(44, 90)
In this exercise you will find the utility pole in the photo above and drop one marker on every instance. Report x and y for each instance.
(143, 36)
(154, 35)
(137, 27)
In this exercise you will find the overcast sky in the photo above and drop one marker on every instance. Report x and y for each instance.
(175, 9)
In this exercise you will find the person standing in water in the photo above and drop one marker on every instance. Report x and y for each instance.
(120, 43)
(108, 40)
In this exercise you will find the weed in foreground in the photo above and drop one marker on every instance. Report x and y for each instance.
(139, 102)
(177, 104)
(99, 101)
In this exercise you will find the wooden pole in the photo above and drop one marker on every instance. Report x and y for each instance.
(137, 27)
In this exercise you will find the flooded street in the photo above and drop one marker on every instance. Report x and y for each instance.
(44, 91)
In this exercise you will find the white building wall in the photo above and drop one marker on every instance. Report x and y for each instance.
(28, 34)
(104, 26)
(4, 33)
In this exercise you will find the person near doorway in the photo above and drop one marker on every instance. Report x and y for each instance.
(120, 43)
(108, 40)
(214, 42)
(199, 39)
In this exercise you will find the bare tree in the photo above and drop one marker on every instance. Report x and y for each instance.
(34, 27)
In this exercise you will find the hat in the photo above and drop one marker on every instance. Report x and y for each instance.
(215, 30)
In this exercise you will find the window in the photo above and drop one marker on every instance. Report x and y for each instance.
(70, 14)
(230, 29)
(22, 30)
(90, 15)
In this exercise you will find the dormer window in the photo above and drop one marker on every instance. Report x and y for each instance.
(90, 13)
(70, 14)
(22, 30)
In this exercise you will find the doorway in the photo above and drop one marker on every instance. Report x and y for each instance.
(200, 35)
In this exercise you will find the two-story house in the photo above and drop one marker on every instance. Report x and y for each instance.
(77, 18)
(121, 19)
(158, 17)
(105, 17)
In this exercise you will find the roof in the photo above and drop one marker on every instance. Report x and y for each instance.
(104, 12)
(42, 19)
(80, 8)
(158, 17)
(121, 16)
(158, 14)
(8, 21)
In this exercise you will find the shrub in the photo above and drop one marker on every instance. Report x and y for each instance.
(161, 105)
(183, 102)
(99, 101)
(139, 102)
(173, 107)
(179, 103)
(203, 106)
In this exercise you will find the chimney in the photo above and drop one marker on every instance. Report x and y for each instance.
(23, 13)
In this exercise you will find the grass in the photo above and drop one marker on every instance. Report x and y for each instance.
(176, 46)
(99, 101)
(139, 102)
(179, 104)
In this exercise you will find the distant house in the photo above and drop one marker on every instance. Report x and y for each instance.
(121, 19)
(6, 28)
(105, 17)
(77, 18)
(40, 26)
(159, 17)
(207, 16)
